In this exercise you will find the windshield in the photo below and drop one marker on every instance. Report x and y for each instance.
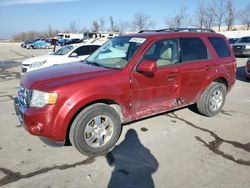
(64, 50)
(244, 40)
(116, 53)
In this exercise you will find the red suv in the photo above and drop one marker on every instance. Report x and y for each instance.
(128, 78)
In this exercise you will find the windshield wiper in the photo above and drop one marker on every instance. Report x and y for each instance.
(99, 65)
(94, 64)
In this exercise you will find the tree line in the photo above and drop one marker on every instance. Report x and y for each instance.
(215, 13)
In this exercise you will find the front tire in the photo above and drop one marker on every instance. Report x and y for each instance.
(212, 99)
(95, 129)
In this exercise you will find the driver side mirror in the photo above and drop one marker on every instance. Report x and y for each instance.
(74, 55)
(147, 67)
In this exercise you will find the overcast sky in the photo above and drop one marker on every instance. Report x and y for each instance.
(37, 15)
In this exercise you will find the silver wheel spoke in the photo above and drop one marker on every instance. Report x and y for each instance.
(91, 139)
(215, 101)
(106, 123)
(99, 131)
(97, 120)
(100, 140)
(89, 129)
(108, 133)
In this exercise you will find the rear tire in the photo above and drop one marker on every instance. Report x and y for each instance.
(212, 99)
(95, 129)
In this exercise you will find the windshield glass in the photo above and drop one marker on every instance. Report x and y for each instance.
(64, 50)
(116, 53)
(244, 39)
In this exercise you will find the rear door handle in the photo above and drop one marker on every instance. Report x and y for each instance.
(208, 67)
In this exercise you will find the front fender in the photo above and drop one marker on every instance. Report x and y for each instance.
(81, 99)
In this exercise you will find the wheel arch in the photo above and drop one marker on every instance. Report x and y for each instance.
(110, 102)
(222, 80)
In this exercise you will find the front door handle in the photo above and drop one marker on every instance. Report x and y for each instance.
(171, 76)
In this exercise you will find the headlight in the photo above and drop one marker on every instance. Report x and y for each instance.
(247, 47)
(40, 99)
(37, 64)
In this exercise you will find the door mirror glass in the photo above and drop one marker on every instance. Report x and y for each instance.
(147, 66)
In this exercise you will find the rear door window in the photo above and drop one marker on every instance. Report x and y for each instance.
(220, 46)
(193, 49)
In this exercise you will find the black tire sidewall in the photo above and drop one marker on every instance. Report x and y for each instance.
(80, 124)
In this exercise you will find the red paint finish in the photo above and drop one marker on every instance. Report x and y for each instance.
(139, 89)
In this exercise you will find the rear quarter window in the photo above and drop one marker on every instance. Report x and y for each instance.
(193, 49)
(220, 46)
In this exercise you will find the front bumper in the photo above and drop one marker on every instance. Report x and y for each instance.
(245, 52)
(38, 121)
(19, 109)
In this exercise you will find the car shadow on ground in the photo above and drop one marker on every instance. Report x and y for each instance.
(133, 163)
(241, 75)
(5, 73)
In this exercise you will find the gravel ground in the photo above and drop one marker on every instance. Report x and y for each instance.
(176, 149)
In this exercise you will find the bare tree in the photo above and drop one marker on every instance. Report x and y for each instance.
(101, 24)
(112, 24)
(142, 21)
(96, 26)
(122, 26)
(28, 35)
(181, 19)
(205, 14)
(73, 27)
(244, 16)
(220, 12)
(210, 15)
(230, 15)
(50, 32)
(84, 29)
(200, 15)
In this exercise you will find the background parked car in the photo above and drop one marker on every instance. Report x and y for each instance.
(24, 43)
(232, 41)
(41, 44)
(63, 42)
(28, 43)
(242, 47)
(66, 54)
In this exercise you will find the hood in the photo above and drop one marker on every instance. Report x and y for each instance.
(59, 75)
(36, 59)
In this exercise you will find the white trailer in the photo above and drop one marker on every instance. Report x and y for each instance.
(70, 36)
(235, 34)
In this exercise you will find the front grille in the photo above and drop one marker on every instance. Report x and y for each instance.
(24, 96)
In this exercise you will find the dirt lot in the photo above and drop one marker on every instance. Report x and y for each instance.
(175, 149)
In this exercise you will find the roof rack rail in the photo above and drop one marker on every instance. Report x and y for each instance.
(179, 30)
